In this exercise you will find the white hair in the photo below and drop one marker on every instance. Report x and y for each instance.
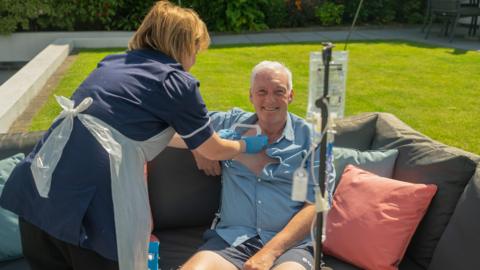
(272, 65)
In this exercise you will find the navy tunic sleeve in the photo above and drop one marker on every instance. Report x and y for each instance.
(187, 112)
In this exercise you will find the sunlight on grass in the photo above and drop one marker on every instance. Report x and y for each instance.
(435, 90)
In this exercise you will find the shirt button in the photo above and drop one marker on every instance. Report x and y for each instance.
(259, 180)
(259, 230)
(259, 202)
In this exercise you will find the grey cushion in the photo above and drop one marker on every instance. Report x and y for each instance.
(379, 162)
(459, 245)
(186, 201)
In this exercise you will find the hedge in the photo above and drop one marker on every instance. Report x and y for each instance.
(219, 15)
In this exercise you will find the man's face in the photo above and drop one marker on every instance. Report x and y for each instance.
(270, 96)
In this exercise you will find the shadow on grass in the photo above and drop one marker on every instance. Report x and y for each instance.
(340, 45)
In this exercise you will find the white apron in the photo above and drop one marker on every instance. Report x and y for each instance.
(129, 190)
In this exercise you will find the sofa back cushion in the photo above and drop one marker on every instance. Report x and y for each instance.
(422, 160)
(180, 194)
(356, 132)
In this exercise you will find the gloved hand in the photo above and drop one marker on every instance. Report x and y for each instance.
(255, 144)
(228, 134)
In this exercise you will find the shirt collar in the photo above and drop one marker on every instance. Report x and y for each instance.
(287, 131)
(157, 56)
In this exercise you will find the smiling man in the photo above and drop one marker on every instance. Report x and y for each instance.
(260, 227)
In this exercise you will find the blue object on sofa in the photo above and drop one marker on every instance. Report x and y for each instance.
(10, 244)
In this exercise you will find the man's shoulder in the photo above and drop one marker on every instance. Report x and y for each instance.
(299, 122)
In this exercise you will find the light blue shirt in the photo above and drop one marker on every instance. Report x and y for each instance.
(261, 204)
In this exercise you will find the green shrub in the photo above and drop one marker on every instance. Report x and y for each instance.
(276, 13)
(231, 15)
(219, 15)
(329, 13)
(16, 14)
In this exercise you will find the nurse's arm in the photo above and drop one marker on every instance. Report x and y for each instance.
(214, 148)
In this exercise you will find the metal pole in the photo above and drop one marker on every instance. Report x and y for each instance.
(322, 103)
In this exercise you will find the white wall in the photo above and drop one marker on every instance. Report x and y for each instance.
(22, 47)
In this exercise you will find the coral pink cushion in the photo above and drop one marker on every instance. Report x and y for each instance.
(373, 218)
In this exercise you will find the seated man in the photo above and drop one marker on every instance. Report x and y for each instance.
(260, 227)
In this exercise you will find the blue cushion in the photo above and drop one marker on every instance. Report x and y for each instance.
(379, 162)
(10, 245)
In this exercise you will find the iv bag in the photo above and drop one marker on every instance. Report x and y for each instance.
(337, 83)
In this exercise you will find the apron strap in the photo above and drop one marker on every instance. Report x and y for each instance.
(46, 160)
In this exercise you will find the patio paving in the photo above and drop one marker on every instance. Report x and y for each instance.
(412, 34)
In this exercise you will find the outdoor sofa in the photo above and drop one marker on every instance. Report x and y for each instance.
(184, 200)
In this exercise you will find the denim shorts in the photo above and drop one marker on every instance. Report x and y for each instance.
(238, 255)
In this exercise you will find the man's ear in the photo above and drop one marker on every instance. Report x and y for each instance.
(250, 95)
(290, 96)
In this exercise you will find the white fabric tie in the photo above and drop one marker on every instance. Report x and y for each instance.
(46, 160)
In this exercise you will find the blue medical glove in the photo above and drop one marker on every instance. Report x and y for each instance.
(255, 144)
(228, 134)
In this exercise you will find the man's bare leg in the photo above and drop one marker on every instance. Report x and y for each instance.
(289, 266)
(207, 260)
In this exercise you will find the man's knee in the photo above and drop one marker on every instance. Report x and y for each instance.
(205, 260)
(289, 266)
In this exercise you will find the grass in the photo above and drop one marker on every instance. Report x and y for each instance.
(435, 90)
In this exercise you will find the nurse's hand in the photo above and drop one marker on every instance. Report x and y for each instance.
(255, 144)
(208, 166)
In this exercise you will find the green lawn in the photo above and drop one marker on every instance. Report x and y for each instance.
(435, 90)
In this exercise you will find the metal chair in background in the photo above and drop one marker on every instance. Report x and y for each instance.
(451, 11)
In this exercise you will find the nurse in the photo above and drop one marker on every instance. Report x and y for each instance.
(80, 195)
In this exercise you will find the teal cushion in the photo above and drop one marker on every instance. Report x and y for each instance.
(10, 245)
(379, 162)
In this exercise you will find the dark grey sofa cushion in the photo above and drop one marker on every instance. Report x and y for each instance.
(181, 195)
(459, 245)
(177, 245)
(19, 264)
(422, 160)
(356, 131)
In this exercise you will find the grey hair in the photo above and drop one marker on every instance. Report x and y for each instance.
(272, 65)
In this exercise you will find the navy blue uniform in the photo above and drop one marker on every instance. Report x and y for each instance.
(140, 94)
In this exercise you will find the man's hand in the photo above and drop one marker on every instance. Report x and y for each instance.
(262, 260)
(209, 167)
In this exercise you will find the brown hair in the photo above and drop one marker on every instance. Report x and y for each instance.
(172, 30)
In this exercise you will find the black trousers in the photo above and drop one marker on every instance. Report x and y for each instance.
(44, 252)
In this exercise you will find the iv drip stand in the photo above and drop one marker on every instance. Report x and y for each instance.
(322, 103)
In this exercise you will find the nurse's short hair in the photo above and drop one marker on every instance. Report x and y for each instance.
(272, 65)
(178, 32)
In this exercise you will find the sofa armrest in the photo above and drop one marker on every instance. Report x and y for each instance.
(11, 144)
(459, 244)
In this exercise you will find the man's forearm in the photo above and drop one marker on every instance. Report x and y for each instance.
(296, 230)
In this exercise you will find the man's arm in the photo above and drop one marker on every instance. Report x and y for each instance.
(209, 167)
(177, 142)
(296, 230)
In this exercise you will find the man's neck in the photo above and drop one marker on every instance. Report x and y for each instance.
(273, 131)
